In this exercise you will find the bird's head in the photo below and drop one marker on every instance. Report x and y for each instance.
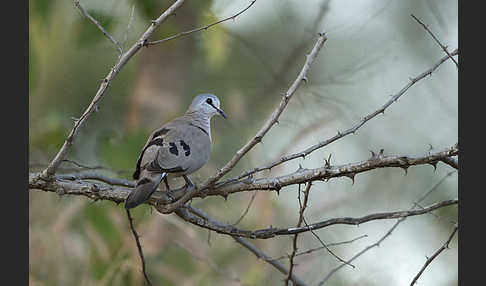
(207, 103)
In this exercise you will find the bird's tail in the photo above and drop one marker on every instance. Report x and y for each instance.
(146, 186)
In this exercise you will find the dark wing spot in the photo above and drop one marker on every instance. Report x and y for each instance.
(173, 149)
(143, 181)
(186, 148)
(163, 131)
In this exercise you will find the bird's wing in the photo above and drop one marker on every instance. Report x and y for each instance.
(176, 147)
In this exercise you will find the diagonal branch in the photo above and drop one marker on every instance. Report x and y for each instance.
(93, 106)
(110, 37)
(444, 48)
(351, 130)
(429, 260)
(186, 33)
(273, 119)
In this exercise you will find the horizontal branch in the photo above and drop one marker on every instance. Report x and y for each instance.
(351, 130)
(272, 232)
(116, 189)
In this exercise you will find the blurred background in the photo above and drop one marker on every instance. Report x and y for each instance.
(374, 47)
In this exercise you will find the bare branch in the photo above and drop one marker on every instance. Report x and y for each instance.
(139, 246)
(69, 184)
(444, 48)
(195, 214)
(79, 123)
(389, 232)
(110, 37)
(272, 231)
(429, 260)
(322, 247)
(302, 207)
(351, 130)
(247, 208)
(454, 163)
(260, 134)
(186, 33)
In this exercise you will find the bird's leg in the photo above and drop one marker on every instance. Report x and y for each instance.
(189, 184)
(168, 190)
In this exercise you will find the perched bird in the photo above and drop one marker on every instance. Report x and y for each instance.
(178, 148)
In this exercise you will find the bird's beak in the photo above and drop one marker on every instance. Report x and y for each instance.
(221, 112)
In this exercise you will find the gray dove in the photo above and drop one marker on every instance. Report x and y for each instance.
(178, 148)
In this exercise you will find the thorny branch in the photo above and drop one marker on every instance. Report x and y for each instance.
(186, 33)
(429, 260)
(444, 48)
(351, 130)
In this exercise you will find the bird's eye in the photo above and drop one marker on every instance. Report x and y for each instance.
(209, 101)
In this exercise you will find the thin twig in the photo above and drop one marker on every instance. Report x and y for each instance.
(110, 37)
(139, 246)
(302, 207)
(309, 251)
(130, 20)
(93, 106)
(273, 119)
(186, 33)
(247, 208)
(389, 232)
(352, 130)
(444, 48)
(429, 260)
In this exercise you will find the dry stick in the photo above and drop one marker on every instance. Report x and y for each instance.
(69, 184)
(429, 260)
(139, 246)
(186, 33)
(444, 48)
(192, 214)
(322, 247)
(389, 232)
(351, 130)
(79, 123)
(258, 137)
(302, 208)
(247, 208)
(273, 231)
(110, 37)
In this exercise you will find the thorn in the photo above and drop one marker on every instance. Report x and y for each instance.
(434, 164)
(154, 22)
(339, 133)
(381, 152)
(328, 161)
(351, 176)
(304, 79)
(225, 196)
(405, 168)
(277, 191)
(430, 147)
(300, 168)
(373, 155)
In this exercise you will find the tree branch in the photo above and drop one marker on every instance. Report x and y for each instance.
(444, 48)
(122, 60)
(429, 260)
(139, 247)
(110, 37)
(186, 33)
(351, 130)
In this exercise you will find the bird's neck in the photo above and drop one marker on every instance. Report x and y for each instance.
(201, 120)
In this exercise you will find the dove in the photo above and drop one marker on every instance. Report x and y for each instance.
(178, 148)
